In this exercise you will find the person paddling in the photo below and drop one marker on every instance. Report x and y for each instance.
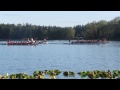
(45, 40)
(69, 41)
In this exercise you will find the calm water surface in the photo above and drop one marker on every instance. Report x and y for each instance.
(56, 55)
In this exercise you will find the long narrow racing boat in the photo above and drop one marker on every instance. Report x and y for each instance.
(22, 43)
(103, 41)
(29, 42)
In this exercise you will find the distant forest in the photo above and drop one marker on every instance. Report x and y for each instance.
(94, 30)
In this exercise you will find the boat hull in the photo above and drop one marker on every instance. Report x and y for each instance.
(88, 42)
(22, 43)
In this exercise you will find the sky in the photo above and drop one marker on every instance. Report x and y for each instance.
(56, 18)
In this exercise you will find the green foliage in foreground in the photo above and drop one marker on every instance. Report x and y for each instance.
(96, 74)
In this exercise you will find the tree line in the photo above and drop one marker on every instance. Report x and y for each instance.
(93, 30)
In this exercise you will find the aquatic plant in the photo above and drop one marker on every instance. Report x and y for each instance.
(96, 74)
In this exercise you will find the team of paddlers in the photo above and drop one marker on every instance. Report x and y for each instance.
(32, 41)
(28, 42)
(88, 41)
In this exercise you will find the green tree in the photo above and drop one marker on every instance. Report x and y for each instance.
(70, 32)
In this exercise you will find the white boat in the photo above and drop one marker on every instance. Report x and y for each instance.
(43, 42)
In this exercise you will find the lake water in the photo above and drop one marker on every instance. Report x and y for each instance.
(57, 55)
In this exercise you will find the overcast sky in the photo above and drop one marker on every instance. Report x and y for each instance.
(56, 18)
